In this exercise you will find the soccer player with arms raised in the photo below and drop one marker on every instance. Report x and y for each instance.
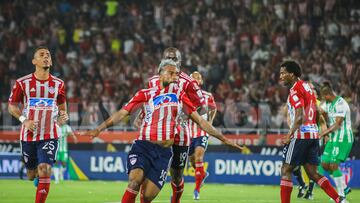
(182, 136)
(301, 142)
(41, 97)
(151, 153)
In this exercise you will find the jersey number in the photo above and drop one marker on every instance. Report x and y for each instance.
(307, 88)
(49, 145)
(311, 111)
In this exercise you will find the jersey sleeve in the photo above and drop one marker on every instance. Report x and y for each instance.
(188, 106)
(136, 101)
(150, 84)
(211, 102)
(296, 100)
(195, 95)
(61, 98)
(340, 109)
(153, 82)
(17, 94)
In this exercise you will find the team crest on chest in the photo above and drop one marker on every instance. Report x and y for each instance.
(51, 90)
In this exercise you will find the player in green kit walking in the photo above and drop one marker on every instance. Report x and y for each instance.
(63, 155)
(340, 135)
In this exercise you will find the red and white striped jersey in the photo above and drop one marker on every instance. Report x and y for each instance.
(186, 83)
(195, 130)
(40, 99)
(182, 133)
(302, 96)
(161, 108)
(193, 91)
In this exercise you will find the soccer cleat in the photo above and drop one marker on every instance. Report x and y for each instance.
(36, 181)
(301, 191)
(203, 180)
(196, 195)
(347, 190)
(309, 196)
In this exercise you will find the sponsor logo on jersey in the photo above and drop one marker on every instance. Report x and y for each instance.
(165, 100)
(41, 103)
(309, 129)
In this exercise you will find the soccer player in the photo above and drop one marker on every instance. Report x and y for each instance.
(62, 155)
(302, 141)
(339, 133)
(182, 136)
(321, 123)
(150, 155)
(43, 103)
(199, 138)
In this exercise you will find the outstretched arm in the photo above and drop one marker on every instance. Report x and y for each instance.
(206, 126)
(115, 118)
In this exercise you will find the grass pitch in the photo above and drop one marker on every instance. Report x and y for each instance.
(14, 191)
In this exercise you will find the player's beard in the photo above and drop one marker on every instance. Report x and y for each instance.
(46, 68)
(165, 84)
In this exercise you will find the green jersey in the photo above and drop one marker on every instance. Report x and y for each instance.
(65, 132)
(339, 108)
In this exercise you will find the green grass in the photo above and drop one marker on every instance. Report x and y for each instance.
(108, 191)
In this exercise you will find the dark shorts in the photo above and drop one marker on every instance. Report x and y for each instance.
(201, 141)
(301, 151)
(180, 156)
(152, 158)
(37, 152)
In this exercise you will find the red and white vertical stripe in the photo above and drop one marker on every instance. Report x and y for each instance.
(159, 123)
(195, 130)
(46, 117)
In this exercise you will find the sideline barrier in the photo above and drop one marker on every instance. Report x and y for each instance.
(223, 167)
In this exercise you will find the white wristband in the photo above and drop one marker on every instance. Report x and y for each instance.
(22, 119)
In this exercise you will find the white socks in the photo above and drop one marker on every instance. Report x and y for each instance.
(340, 185)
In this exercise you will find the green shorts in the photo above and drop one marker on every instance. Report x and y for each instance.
(336, 152)
(62, 156)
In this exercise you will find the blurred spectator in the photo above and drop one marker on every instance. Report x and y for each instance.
(106, 50)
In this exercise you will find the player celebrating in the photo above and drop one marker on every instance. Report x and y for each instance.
(151, 153)
(340, 134)
(182, 136)
(42, 97)
(199, 138)
(62, 155)
(301, 142)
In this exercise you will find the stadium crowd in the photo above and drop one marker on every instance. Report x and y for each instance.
(105, 50)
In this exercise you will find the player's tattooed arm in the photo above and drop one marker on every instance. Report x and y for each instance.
(207, 127)
(138, 119)
(115, 118)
